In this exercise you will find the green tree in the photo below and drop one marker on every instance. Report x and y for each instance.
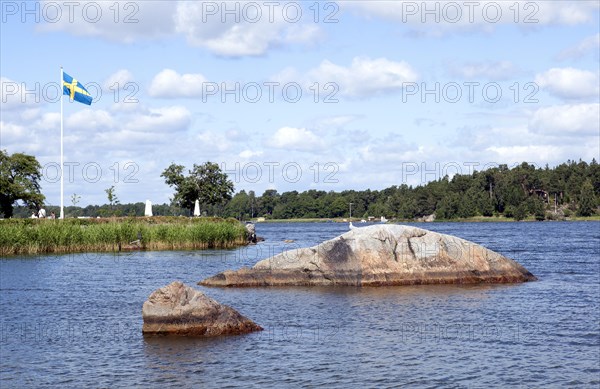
(537, 208)
(252, 199)
(112, 201)
(268, 201)
(205, 183)
(587, 200)
(19, 180)
(520, 212)
(239, 206)
(112, 197)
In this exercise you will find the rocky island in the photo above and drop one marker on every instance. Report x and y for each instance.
(380, 255)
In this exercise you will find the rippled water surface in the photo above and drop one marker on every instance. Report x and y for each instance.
(75, 320)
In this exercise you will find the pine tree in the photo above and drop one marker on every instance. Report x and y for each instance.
(587, 200)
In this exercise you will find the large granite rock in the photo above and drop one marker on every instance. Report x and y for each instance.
(177, 309)
(380, 255)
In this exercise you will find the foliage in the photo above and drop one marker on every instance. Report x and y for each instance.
(525, 190)
(587, 199)
(522, 191)
(205, 183)
(19, 180)
(112, 197)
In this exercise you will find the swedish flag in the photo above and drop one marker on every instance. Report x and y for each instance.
(75, 90)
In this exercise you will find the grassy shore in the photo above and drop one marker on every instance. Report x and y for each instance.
(35, 236)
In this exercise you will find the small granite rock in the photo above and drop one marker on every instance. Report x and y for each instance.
(251, 232)
(177, 309)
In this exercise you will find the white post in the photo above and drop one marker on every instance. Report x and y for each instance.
(62, 168)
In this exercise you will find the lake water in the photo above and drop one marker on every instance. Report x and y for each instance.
(75, 320)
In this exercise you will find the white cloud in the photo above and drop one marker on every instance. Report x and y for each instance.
(569, 83)
(118, 80)
(500, 70)
(32, 132)
(303, 33)
(365, 76)
(212, 142)
(11, 132)
(121, 21)
(391, 149)
(170, 84)
(247, 154)
(258, 27)
(525, 153)
(160, 120)
(252, 28)
(568, 120)
(587, 45)
(89, 120)
(14, 95)
(564, 12)
(47, 121)
(299, 139)
(434, 18)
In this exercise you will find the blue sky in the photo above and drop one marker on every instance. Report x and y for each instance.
(357, 95)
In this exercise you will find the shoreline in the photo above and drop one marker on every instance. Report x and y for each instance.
(52, 236)
(481, 219)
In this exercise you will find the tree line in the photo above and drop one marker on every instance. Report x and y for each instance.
(571, 188)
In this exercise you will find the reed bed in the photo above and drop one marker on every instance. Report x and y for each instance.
(34, 236)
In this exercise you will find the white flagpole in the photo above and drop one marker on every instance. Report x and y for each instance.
(62, 169)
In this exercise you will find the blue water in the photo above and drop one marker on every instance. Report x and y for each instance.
(75, 320)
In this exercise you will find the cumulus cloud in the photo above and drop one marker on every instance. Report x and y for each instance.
(441, 17)
(525, 153)
(161, 120)
(299, 139)
(247, 154)
(33, 131)
(118, 80)
(47, 121)
(364, 77)
(591, 44)
(170, 84)
(391, 149)
(569, 83)
(212, 142)
(579, 119)
(11, 132)
(121, 21)
(249, 30)
(14, 95)
(90, 120)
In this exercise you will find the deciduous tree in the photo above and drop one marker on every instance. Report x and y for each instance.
(19, 181)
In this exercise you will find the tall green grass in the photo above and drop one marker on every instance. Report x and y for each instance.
(34, 236)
